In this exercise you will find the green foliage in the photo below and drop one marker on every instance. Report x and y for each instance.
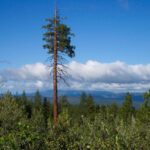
(24, 137)
(37, 101)
(87, 105)
(144, 114)
(63, 37)
(100, 127)
(90, 104)
(10, 114)
(127, 110)
(46, 112)
(25, 104)
(147, 98)
(64, 103)
(83, 98)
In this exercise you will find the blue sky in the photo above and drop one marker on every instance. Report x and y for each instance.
(106, 30)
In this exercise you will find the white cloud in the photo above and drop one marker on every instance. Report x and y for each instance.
(30, 72)
(116, 72)
(39, 84)
(92, 75)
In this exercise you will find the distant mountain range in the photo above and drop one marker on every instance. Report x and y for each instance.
(100, 97)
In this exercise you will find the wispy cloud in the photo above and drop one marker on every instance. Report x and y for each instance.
(92, 75)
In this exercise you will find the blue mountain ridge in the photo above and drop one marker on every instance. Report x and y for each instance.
(100, 97)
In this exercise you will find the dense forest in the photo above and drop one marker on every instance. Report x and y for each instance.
(27, 124)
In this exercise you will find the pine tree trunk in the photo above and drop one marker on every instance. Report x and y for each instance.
(55, 97)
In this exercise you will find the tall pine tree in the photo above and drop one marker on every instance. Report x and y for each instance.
(58, 41)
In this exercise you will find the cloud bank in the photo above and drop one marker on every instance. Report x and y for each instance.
(92, 75)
